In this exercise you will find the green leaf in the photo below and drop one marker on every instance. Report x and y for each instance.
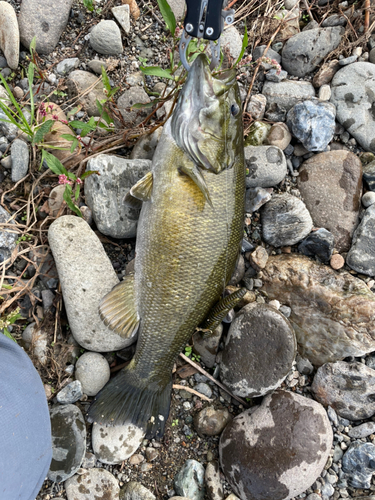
(69, 137)
(30, 78)
(7, 334)
(32, 47)
(74, 145)
(156, 71)
(85, 127)
(141, 105)
(54, 164)
(19, 114)
(88, 173)
(67, 197)
(76, 194)
(245, 41)
(105, 78)
(89, 5)
(168, 15)
(42, 131)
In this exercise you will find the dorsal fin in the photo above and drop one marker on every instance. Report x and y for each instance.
(143, 189)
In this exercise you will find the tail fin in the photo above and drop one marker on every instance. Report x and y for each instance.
(128, 399)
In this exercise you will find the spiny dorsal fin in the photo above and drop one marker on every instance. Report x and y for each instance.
(132, 202)
(117, 308)
(143, 189)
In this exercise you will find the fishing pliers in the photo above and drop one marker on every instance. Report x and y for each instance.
(204, 19)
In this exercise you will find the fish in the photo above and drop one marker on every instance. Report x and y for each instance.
(188, 239)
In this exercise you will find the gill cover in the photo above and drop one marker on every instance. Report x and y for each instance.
(206, 123)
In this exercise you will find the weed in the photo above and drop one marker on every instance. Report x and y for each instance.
(190, 354)
(8, 320)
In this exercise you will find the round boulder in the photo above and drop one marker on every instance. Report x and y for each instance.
(259, 351)
(279, 450)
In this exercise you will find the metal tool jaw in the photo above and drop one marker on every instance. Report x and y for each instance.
(204, 19)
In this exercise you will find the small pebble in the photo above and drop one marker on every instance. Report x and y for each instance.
(337, 261)
(368, 199)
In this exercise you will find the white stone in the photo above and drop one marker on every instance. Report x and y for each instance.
(112, 445)
(92, 370)
(9, 34)
(122, 15)
(231, 40)
(325, 93)
(93, 484)
(368, 199)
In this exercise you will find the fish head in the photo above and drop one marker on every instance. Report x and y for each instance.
(207, 121)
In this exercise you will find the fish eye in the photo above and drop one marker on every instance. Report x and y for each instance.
(234, 109)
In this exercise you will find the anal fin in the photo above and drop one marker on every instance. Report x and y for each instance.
(117, 308)
(143, 189)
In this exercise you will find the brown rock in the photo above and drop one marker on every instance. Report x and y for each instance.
(55, 199)
(279, 136)
(133, 8)
(326, 73)
(331, 187)
(258, 259)
(79, 82)
(211, 422)
(337, 261)
(332, 313)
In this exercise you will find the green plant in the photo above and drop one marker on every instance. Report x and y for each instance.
(25, 237)
(89, 4)
(189, 353)
(9, 320)
(175, 422)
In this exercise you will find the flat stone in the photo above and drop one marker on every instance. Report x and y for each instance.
(274, 75)
(211, 422)
(325, 93)
(105, 193)
(332, 313)
(347, 387)
(258, 258)
(326, 72)
(285, 220)
(93, 372)
(305, 51)
(9, 35)
(319, 243)
(56, 199)
(7, 237)
(132, 96)
(266, 166)
(93, 483)
(105, 38)
(207, 348)
(67, 65)
(113, 445)
(239, 271)
(19, 151)
(287, 93)
(96, 66)
(279, 136)
(359, 464)
(70, 393)
(84, 282)
(122, 15)
(265, 454)
(189, 482)
(257, 106)
(334, 20)
(231, 41)
(334, 208)
(256, 198)
(41, 19)
(312, 123)
(259, 351)
(78, 82)
(353, 94)
(213, 482)
(271, 54)
(361, 256)
(135, 491)
(362, 431)
(68, 442)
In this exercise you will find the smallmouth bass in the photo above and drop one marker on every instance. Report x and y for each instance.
(188, 238)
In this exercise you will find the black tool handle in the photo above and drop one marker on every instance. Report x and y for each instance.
(204, 19)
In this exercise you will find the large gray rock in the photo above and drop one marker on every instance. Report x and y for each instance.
(285, 220)
(189, 482)
(266, 165)
(9, 34)
(332, 313)
(113, 445)
(279, 450)
(92, 484)
(105, 38)
(331, 186)
(19, 151)
(68, 442)
(358, 465)
(287, 93)
(353, 94)
(349, 388)
(41, 19)
(86, 275)
(259, 351)
(105, 193)
(361, 256)
(7, 237)
(134, 95)
(305, 51)
(93, 372)
(78, 82)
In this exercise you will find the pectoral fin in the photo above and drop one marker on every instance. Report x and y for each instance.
(117, 308)
(143, 189)
(132, 202)
(191, 169)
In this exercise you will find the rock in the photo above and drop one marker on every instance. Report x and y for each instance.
(353, 94)
(347, 387)
(231, 43)
(92, 483)
(274, 75)
(36, 340)
(326, 72)
(257, 106)
(9, 130)
(257, 134)
(67, 65)
(89, 461)
(122, 15)
(70, 393)
(275, 113)
(239, 271)
(132, 96)
(325, 93)
(105, 193)
(189, 482)
(211, 422)
(304, 366)
(96, 66)
(9, 37)
(266, 166)
(359, 464)
(368, 199)
(207, 348)
(312, 123)
(113, 445)
(144, 148)
(214, 486)
(305, 51)
(56, 199)
(7, 238)
(204, 389)
(256, 198)
(287, 93)
(362, 431)
(337, 261)
(258, 258)
(93, 372)
(348, 60)
(279, 136)
(369, 174)
(84, 282)
(271, 54)
(135, 491)
(319, 243)
(41, 19)
(105, 38)
(178, 8)
(19, 151)
(332, 314)
(47, 298)
(265, 454)
(68, 442)
(335, 209)
(259, 351)
(285, 220)
(78, 82)
(151, 454)
(361, 256)
(334, 20)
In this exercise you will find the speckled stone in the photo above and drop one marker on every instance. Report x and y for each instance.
(277, 451)
(361, 256)
(92, 484)
(135, 491)
(189, 482)
(279, 136)
(359, 464)
(213, 482)
(113, 445)
(105, 38)
(287, 93)
(211, 422)
(259, 351)
(7, 238)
